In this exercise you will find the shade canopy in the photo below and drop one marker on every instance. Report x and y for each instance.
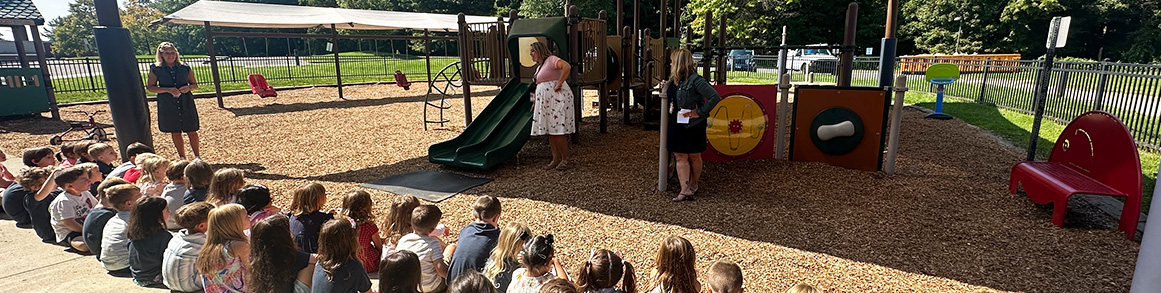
(258, 15)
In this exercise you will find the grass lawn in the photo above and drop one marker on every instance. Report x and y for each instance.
(1016, 127)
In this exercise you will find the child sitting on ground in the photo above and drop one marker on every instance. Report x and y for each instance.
(224, 186)
(305, 218)
(114, 240)
(147, 240)
(131, 153)
(103, 155)
(559, 286)
(725, 277)
(82, 151)
(256, 199)
(38, 157)
(174, 192)
(152, 179)
(675, 270)
(67, 155)
(27, 184)
(540, 266)
(803, 288)
(603, 271)
(94, 227)
(37, 206)
(338, 268)
(477, 239)
(357, 205)
(399, 273)
(179, 271)
(69, 210)
(430, 250)
(502, 261)
(275, 264)
(198, 175)
(471, 281)
(222, 260)
(398, 221)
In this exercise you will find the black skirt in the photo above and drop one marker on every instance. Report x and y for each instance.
(685, 138)
(177, 115)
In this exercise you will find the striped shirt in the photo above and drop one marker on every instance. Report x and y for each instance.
(177, 267)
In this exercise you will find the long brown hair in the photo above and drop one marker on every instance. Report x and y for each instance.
(398, 221)
(306, 199)
(146, 218)
(224, 184)
(603, 270)
(271, 255)
(358, 205)
(681, 65)
(399, 272)
(338, 243)
(675, 271)
(224, 224)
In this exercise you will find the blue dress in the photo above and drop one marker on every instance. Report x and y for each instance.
(175, 114)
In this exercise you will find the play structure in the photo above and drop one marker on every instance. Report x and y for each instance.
(840, 126)
(26, 90)
(940, 75)
(740, 126)
(1095, 155)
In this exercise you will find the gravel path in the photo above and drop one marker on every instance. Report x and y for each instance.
(945, 223)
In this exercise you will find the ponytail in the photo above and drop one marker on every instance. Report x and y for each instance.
(629, 280)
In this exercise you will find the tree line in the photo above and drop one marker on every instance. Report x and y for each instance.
(1117, 30)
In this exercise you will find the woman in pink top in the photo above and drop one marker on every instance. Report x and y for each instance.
(552, 111)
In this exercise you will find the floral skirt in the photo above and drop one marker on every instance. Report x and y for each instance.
(552, 111)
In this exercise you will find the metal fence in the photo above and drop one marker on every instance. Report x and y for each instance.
(85, 74)
(1128, 91)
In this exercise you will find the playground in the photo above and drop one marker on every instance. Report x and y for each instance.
(943, 223)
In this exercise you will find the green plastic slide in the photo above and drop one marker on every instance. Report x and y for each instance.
(495, 136)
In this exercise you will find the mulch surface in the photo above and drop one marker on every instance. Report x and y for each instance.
(944, 223)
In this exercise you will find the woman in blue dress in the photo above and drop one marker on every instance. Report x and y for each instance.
(174, 82)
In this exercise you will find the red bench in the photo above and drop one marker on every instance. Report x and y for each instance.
(1095, 155)
(259, 87)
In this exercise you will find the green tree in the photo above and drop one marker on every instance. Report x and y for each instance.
(72, 34)
(136, 17)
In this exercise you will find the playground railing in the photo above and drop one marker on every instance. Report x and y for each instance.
(1129, 91)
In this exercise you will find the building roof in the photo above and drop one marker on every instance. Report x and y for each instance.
(20, 10)
(258, 15)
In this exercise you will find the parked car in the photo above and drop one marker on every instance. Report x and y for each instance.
(697, 56)
(813, 60)
(740, 60)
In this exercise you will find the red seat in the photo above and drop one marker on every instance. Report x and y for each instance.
(1095, 155)
(259, 87)
(401, 80)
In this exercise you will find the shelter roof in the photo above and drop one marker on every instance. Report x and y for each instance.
(259, 15)
(20, 10)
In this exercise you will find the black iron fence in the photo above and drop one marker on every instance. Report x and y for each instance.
(1128, 91)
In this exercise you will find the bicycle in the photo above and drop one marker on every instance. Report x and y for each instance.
(92, 130)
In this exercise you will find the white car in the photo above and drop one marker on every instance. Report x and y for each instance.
(814, 60)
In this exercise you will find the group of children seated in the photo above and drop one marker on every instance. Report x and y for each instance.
(231, 238)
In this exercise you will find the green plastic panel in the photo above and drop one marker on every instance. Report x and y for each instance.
(495, 136)
(22, 91)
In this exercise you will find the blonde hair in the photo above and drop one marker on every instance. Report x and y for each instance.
(681, 65)
(803, 288)
(725, 277)
(224, 224)
(542, 50)
(510, 243)
(224, 184)
(159, 61)
(149, 163)
(398, 221)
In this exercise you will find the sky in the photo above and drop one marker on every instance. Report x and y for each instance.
(51, 9)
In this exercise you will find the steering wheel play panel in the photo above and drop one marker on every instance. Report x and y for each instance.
(741, 126)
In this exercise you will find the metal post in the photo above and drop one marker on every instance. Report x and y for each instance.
(1101, 82)
(338, 72)
(887, 48)
(662, 150)
(676, 18)
(706, 52)
(1145, 276)
(1042, 89)
(896, 124)
(984, 83)
(722, 53)
(574, 41)
(19, 36)
(213, 63)
(92, 77)
(781, 125)
(626, 73)
(40, 59)
(465, 68)
(602, 89)
(782, 54)
(847, 59)
(427, 52)
(663, 26)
